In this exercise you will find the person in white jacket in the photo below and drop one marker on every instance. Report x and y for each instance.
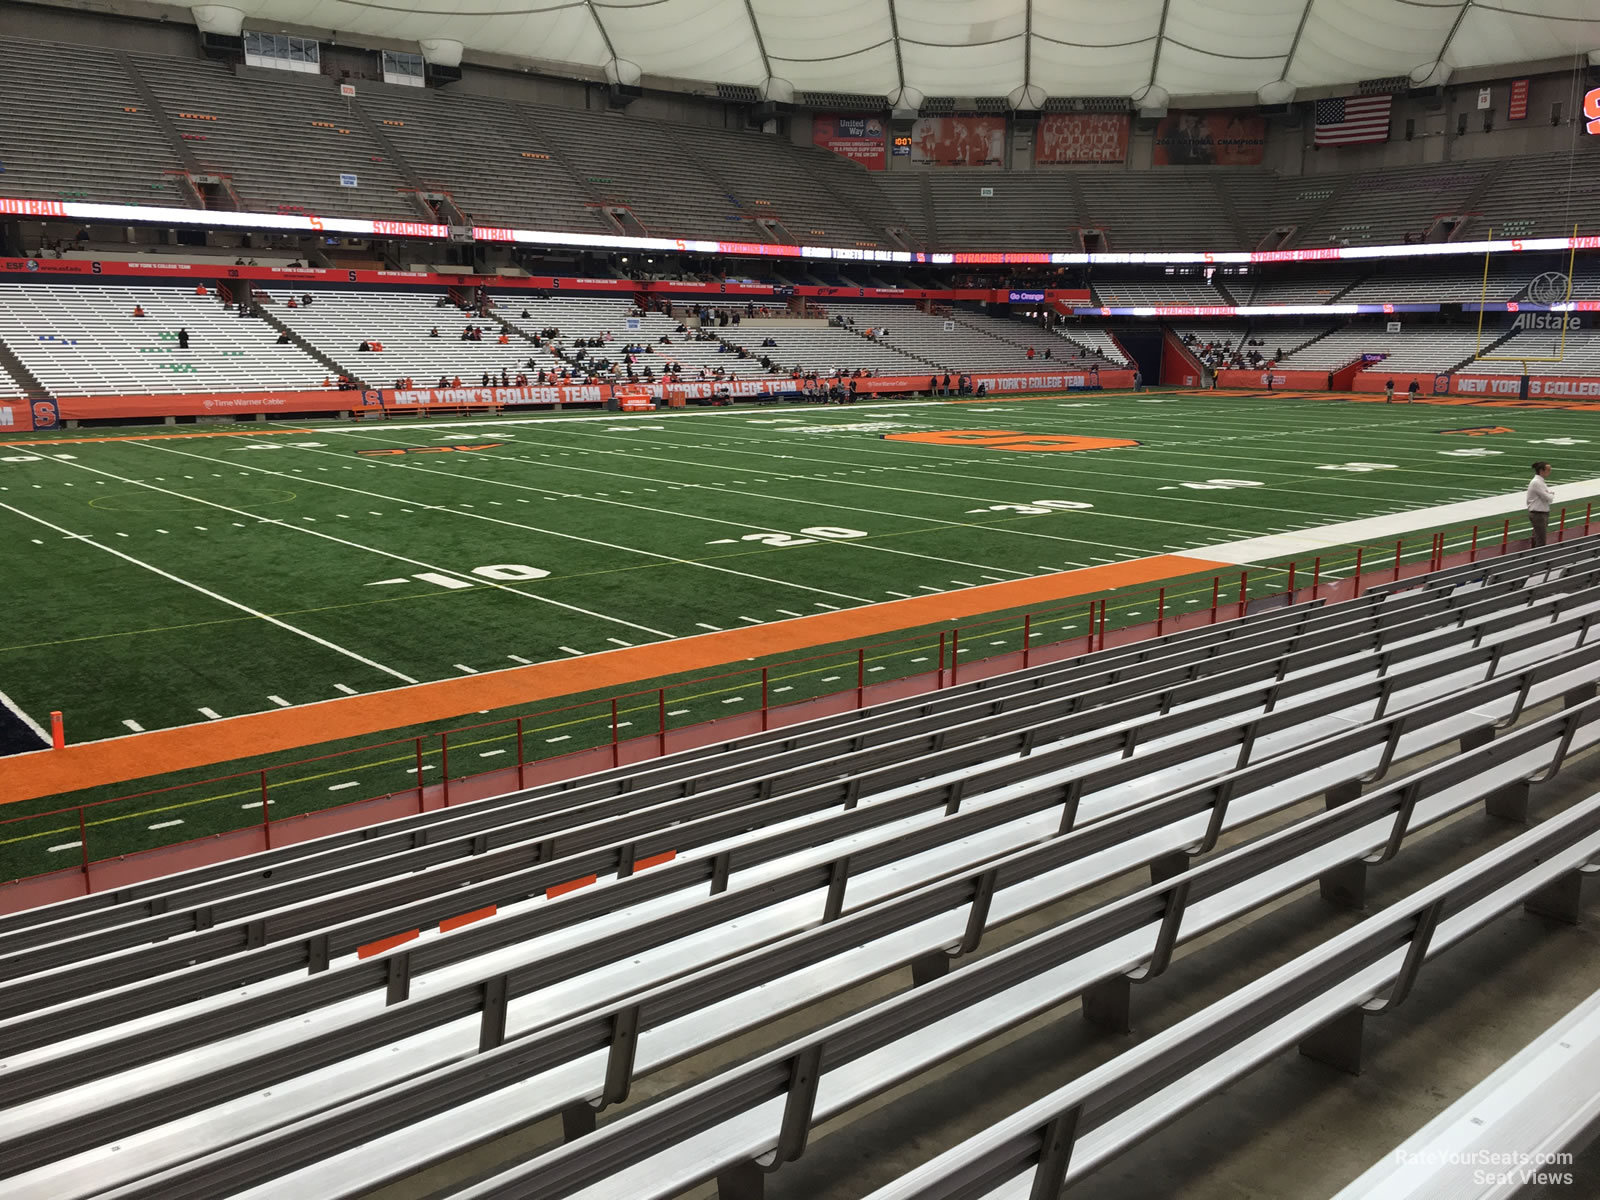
(1539, 498)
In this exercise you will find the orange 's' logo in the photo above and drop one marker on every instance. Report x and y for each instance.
(1010, 439)
(1480, 430)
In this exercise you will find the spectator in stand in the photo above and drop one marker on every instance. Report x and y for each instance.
(1539, 500)
(292, 303)
(283, 338)
(306, 300)
(200, 290)
(1030, 353)
(455, 381)
(434, 332)
(444, 381)
(504, 340)
(505, 378)
(484, 381)
(138, 310)
(364, 348)
(183, 339)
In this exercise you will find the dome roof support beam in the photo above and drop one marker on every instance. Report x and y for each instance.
(1161, 37)
(1455, 28)
(1294, 46)
(761, 43)
(894, 34)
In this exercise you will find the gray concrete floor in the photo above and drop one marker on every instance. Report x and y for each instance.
(1294, 1128)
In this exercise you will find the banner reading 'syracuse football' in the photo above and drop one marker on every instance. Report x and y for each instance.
(1081, 138)
(860, 139)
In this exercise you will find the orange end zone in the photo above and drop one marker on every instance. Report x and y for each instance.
(572, 885)
(477, 914)
(138, 756)
(388, 943)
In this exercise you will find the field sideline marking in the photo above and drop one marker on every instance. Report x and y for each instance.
(1370, 529)
(90, 541)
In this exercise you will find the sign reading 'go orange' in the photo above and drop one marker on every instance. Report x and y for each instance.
(1010, 439)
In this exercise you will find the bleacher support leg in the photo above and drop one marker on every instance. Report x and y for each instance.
(1345, 886)
(1108, 1005)
(1168, 865)
(1342, 793)
(169, 420)
(1561, 899)
(929, 968)
(1475, 739)
(1510, 803)
(577, 1120)
(1581, 694)
(742, 1182)
(1338, 1043)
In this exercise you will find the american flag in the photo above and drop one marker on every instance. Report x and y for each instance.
(1352, 119)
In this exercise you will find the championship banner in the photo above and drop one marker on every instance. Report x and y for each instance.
(1210, 139)
(1081, 138)
(958, 141)
(1517, 110)
(860, 139)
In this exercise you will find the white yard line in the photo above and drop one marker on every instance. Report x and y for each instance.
(217, 596)
(11, 706)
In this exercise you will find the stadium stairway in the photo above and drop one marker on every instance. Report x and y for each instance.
(30, 383)
(145, 1032)
(335, 367)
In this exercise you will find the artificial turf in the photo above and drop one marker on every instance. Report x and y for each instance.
(172, 579)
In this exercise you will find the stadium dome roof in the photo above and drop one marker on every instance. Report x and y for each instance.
(909, 49)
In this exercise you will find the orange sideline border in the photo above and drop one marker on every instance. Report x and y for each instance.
(137, 756)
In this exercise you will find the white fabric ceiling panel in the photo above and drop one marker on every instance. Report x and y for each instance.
(1090, 48)
(983, 47)
(1490, 33)
(962, 47)
(1349, 40)
(685, 39)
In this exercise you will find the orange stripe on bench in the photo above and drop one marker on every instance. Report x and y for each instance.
(572, 885)
(655, 860)
(388, 943)
(477, 914)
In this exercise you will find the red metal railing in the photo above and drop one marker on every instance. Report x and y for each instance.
(1037, 635)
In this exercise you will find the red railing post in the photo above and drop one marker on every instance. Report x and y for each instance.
(1291, 582)
(1397, 544)
(1505, 536)
(1102, 624)
(955, 656)
(1088, 646)
(1561, 529)
(444, 765)
(1161, 610)
(1216, 592)
(941, 659)
(763, 699)
(1472, 551)
(83, 847)
(1587, 510)
(1244, 585)
(661, 719)
(520, 775)
(421, 792)
(1027, 637)
(616, 750)
(266, 813)
(1316, 576)
(1360, 550)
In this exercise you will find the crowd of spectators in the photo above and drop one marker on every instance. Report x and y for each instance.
(1224, 355)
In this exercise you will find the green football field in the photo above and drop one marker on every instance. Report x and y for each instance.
(160, 581)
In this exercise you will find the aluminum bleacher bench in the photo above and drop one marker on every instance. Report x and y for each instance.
(1319, 1000)
(224, 1052)
(940, 758)
(1524, 1120)
(747, 1120)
